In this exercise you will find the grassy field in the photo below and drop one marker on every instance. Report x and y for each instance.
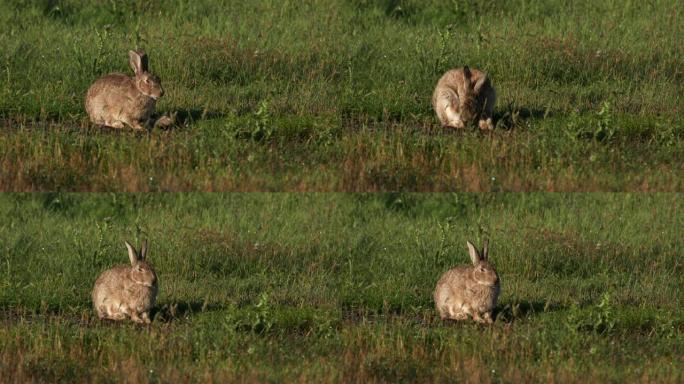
(337, 288)
(334, 95)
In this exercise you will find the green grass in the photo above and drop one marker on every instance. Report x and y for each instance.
(333, 95)
(337, 288)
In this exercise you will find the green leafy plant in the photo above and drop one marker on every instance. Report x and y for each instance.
(599, 319)
(257, 319)
(259, 127)
(599, 127)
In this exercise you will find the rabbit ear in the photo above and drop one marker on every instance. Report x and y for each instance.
(474, 254)
(132, 254)
(462, 88)
(467, 76)
(143, 250)
(485, 250)
(138, 61)
(479, 83)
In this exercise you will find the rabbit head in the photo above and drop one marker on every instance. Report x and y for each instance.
(147, 83)
(141, 272)
(483, 272)
(468, 94)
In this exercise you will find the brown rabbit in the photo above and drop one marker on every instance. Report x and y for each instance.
(127, 291)
(464, 95)
(469, 291)
(116, 100)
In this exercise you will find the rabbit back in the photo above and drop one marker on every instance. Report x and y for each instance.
(462, 95)
(113, 100)
(450, 293)
(116, 296)
(458, 294)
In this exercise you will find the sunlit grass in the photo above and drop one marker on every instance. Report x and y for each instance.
(337, 288)
(335, 95)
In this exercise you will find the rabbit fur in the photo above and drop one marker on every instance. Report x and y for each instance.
(463, 95)
(469, 290)
(117, 100)
(127, 291)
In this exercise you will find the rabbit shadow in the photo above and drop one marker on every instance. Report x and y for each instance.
(508, 314)
(190, 115)
(174, 311)
(514, 311)
(511, 116)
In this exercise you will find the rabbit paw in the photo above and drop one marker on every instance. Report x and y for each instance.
(486, 125)
(165, 121)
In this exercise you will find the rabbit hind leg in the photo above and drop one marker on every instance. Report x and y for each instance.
(456, 312)
(134, 123)
(115, 312)
(118, 124)
(137, 125)
(136, 317)
(486, 318)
